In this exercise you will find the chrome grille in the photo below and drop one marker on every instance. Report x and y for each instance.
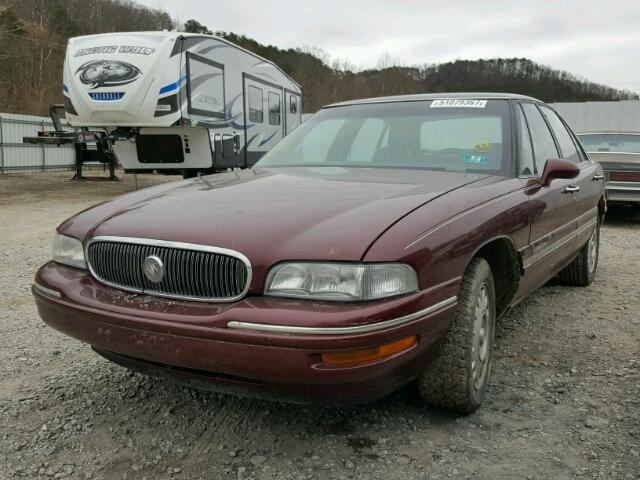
(193, 272)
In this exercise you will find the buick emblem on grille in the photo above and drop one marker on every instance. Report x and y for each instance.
(153, 269)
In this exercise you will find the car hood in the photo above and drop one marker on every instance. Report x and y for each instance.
(272, 215)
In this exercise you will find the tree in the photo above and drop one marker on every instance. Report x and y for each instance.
(60, 22)
(165, 22)
(10, 23)
(194, 26)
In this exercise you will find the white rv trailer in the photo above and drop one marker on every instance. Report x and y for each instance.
(178, 101)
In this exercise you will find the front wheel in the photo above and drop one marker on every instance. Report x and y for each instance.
(457, 378)
(582, 270)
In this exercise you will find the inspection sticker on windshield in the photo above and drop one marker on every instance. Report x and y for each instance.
(458, 103)
(476, 159)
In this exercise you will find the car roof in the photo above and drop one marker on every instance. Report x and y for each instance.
(434, 96)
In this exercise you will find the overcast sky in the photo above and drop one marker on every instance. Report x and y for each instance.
(599, 40)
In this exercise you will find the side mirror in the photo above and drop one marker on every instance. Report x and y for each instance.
(558, 168)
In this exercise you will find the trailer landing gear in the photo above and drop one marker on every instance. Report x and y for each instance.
(89, 145)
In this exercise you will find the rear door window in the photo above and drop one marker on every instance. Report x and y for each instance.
(569, 150)
(544, 146)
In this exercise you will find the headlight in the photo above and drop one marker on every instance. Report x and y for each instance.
(69, 251)
(341, 281)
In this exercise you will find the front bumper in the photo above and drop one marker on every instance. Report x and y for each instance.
(193, 343)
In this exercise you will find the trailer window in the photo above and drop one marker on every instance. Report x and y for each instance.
(256, 113)
(205, 85)
(293, 104)
(274, 109)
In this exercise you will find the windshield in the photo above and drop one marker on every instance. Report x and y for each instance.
(607, 142)
(445, 135)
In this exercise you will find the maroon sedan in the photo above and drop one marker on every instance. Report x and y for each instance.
(374, 246)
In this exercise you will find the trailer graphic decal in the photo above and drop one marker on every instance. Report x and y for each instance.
(113, 49)
(263, 141)
(229, 120)
(172, 86)
(107, 73)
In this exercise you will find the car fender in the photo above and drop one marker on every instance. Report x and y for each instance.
(441, 253)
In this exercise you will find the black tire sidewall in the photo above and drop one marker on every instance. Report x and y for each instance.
(592, 274)
(447, 380)
(485, 277)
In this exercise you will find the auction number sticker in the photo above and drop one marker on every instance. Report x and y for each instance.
(458, 103)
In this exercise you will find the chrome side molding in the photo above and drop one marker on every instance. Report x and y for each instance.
(370, 327)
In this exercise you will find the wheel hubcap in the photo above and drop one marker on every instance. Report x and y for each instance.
(592, 251)
(481, 339)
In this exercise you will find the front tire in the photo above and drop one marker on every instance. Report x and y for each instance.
(582, 270)
(457, 378)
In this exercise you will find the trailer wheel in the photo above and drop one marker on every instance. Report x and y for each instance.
(189, 174)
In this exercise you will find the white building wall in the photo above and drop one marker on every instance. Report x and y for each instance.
(16, 156)
(585, 117)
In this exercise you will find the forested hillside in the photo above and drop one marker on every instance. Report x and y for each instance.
(33, 35)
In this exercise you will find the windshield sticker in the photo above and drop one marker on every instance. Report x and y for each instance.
(483, 147)
(476, 159)
(458, 103)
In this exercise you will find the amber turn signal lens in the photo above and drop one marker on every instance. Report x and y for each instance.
(368, 354)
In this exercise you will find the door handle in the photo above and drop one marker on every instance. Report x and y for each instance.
(597, 176)
(571, 188)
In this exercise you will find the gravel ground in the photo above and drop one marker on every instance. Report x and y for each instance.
(564, 400)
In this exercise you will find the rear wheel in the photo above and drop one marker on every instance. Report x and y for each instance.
(582, 270)
(457, 378)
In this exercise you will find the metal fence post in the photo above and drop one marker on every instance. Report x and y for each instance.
(1, 149)
(44, 156)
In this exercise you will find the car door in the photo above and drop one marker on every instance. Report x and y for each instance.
(588, 184)
(553, 214)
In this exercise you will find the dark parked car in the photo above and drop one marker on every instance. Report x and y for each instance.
(619, 155)
(374, 246)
